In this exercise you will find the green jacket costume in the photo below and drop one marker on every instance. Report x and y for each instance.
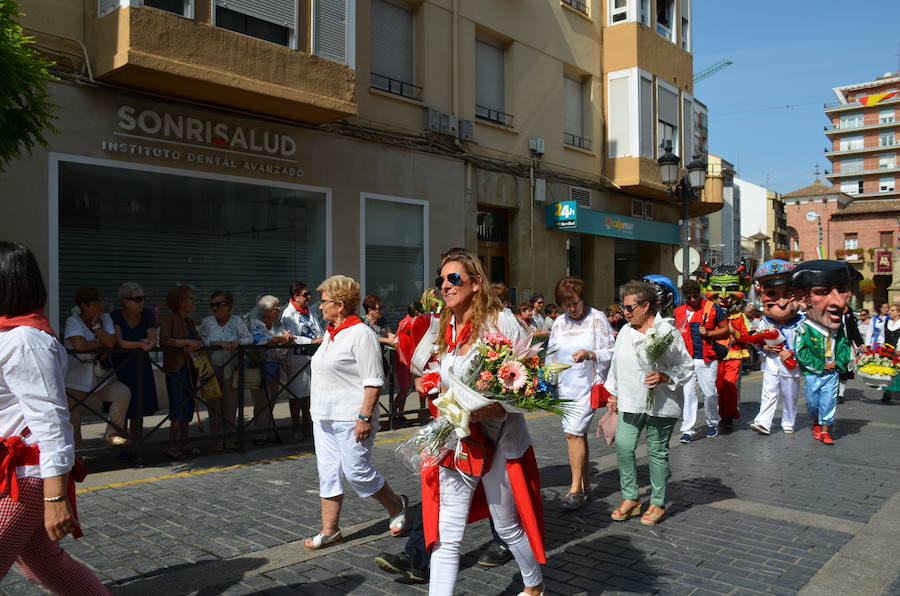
(809, 346)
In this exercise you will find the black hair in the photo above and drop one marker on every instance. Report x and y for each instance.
(22, 288)
(535, 297)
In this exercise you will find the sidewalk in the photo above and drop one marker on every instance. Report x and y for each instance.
(748, 514)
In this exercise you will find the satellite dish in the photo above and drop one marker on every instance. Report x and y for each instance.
(693, 259)
(811, 216)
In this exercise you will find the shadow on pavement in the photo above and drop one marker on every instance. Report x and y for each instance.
(189, 577)
(848, 426)
(347, 584)
(703, 490)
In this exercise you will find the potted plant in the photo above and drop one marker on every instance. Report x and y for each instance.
(855, 254)
(840, 254)
(796, 256)
(867, 286)
(782, 254)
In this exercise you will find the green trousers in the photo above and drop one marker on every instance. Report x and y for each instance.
(659, 431)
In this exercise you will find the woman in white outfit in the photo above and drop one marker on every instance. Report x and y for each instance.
(346, 380)
(470, 311)
(582, 338)
(298, 320)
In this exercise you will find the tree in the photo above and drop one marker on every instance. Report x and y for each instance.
(25, 111)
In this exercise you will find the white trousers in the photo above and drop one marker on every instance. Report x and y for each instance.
(456, 498)
(704, 381)
(338, 453)
(773, 386)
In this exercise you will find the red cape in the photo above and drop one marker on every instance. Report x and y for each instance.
(525, 480)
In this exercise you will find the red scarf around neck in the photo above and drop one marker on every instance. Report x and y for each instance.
(302, 310)
(461, 337)
(348, 322)
(35, 319)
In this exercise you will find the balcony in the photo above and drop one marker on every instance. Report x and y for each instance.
(838, 129)
(863, 172)
(492, 115)
(860, 150)
(162, 52)
(571, 140)
(836, 106)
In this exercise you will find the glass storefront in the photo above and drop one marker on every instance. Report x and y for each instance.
(119, 224)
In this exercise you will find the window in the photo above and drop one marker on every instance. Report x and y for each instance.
(246, 236)
(852, 143)
(334, 30)
(687, 118)
(886, 139)
(850, 242)
(184, 8)
(645, 12)
(490, 82)
(852, 164)
(642, 209)
(886, 239)
(701, 130)
(579, 5)
(619, 134)
(573, 133)
(393, 49)
(886, 116)
(853, 120)
(179, 7)
(243, 22)
(887, 161)
(394, 257)
(686, 25)
(667, 120)
(618, 11)
(665, 16)
(886, 184)
(852, 186)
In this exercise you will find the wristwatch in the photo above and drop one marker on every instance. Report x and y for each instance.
(366, 419)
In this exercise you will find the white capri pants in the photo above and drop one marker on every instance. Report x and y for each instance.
(578, 416)
(337, 453)
(704, 380)
(456, 498)
(772, 387)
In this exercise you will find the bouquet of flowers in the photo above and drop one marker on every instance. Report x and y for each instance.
(878, 365)
(511, 373)
(655, 347)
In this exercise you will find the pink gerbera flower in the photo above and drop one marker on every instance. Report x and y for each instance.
(513, 375)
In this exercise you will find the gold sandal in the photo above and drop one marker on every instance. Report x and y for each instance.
(623, 514)
(651, 519)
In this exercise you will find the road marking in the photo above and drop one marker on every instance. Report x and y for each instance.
(825, 522)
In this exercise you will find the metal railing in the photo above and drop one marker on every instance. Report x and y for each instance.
(242, 359)
(576, 141)
(492, 115)
(395, 87)
(579, 5)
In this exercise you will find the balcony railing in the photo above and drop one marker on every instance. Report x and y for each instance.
(864, 172)
(579, 5)
(492, 115)
(880, 146)
(576, 141)
(395, 87)
(838, 128)
(855, 104)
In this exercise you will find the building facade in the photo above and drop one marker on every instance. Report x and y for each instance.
(864, 135)
(725, 224)
(246, 145)
(763, 219)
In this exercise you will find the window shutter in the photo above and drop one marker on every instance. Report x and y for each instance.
(668, 106)
(392, 41)
(580, 195)
(280, 12)
(646, 118)
(490, 76)
(574, 98)
(331, 29)
(619, 118)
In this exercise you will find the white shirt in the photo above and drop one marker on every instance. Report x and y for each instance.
(864, 329)
(626, 376)
(33, 395)
(510, 434)
(875, 333)
(304, 327)
(341, 369)
(235, 329)
(568, 336)
(772, 363)
(80, 375)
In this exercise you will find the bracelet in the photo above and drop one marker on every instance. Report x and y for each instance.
(54, 499)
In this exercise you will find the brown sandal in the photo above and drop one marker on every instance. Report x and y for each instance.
(651, 519)
(621, 514)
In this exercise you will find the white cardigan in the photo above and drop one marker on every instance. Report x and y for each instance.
(626, 377)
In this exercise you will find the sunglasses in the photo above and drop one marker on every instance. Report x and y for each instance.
(630, 307)
(136, 298)
(455, 279)
(303, 294)
(217, 304)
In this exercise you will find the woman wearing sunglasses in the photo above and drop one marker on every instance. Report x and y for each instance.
(472, 310)
(135, 328)
(302, 323)
(228, 331)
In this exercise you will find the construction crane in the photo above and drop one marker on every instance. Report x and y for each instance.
(711, 70)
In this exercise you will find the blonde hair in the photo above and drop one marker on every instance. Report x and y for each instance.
(342, 289)
(485, 306)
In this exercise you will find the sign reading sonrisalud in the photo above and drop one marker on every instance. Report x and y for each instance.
(599, 223)
(149, 132)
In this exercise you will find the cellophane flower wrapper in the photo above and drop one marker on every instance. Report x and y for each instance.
(429, 445)
(650, 355)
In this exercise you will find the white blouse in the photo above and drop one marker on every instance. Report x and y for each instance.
(568, 336)
(33, 395)
(510, 434)
(341, 369)
(304, 327)
(626, 376)
(80, 374)
(234, 330)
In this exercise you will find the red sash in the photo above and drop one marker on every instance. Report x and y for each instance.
(14, 452)
(525, 480)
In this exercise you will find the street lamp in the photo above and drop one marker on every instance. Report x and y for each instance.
(685, 188)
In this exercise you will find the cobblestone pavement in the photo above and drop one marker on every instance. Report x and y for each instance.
(747, 514)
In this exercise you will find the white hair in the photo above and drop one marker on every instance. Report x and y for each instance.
(127, 289)
(265, 304)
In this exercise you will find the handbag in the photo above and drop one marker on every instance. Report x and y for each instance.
(607, 426)
(206, 376)
(599, 395)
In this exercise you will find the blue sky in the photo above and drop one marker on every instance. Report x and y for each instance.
(785, 53)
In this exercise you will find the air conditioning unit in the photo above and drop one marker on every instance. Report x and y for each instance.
(466, 130)
(441, 122)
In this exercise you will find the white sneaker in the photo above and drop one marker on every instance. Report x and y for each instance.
(788, 431)
(760, 428)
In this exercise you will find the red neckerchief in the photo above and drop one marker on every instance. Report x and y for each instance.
(348, 322)
(302, 310)
(461, 337)
(35, 319)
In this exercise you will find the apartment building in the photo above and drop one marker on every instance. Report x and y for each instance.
(725, 224)
(864, 134)
(242, 145)
(763, 219)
